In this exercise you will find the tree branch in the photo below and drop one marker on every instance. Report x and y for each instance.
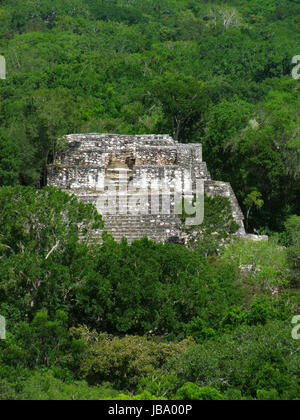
(53, 249)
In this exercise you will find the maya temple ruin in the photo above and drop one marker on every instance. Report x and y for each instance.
(134, 179)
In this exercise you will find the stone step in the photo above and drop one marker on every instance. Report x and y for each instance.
(138, 228)
(135, 219)
(129, 223)
(139, 225)
(130, 239)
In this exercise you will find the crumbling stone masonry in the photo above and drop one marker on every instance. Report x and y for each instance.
(91, 162)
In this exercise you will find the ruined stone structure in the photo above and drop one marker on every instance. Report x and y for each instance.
(94, 166)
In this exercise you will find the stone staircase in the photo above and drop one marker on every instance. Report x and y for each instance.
(155, 227)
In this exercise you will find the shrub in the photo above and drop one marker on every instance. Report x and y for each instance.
(124, 361)
(248, 359)
(190, 391)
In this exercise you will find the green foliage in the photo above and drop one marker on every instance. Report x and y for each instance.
(41, 343)
(253, 199)
(264, 261)
(262, 310)
(217, 227)
(293, 240)
(7, 391)
(267, 157)
(198, 331)
(190, 391)
(263, 395)
(40, 247)
(144, 396)
(149, 287)
(49, 263)
(161, 382)
(9, 161)
(183, 101)
(249, 359)
(124, 361)
(43, 385)
(224, 122)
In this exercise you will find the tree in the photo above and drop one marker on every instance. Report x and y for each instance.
(43, 247)
(252, 199)
(124, 361)
(265, 262)
(216, 229)
(225, 16)
(248, 359)
(10, 161)
(184, 103)
(266, 156)
(224, 122)
(293, 240)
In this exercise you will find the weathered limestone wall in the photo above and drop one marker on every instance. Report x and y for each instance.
(142, 170)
